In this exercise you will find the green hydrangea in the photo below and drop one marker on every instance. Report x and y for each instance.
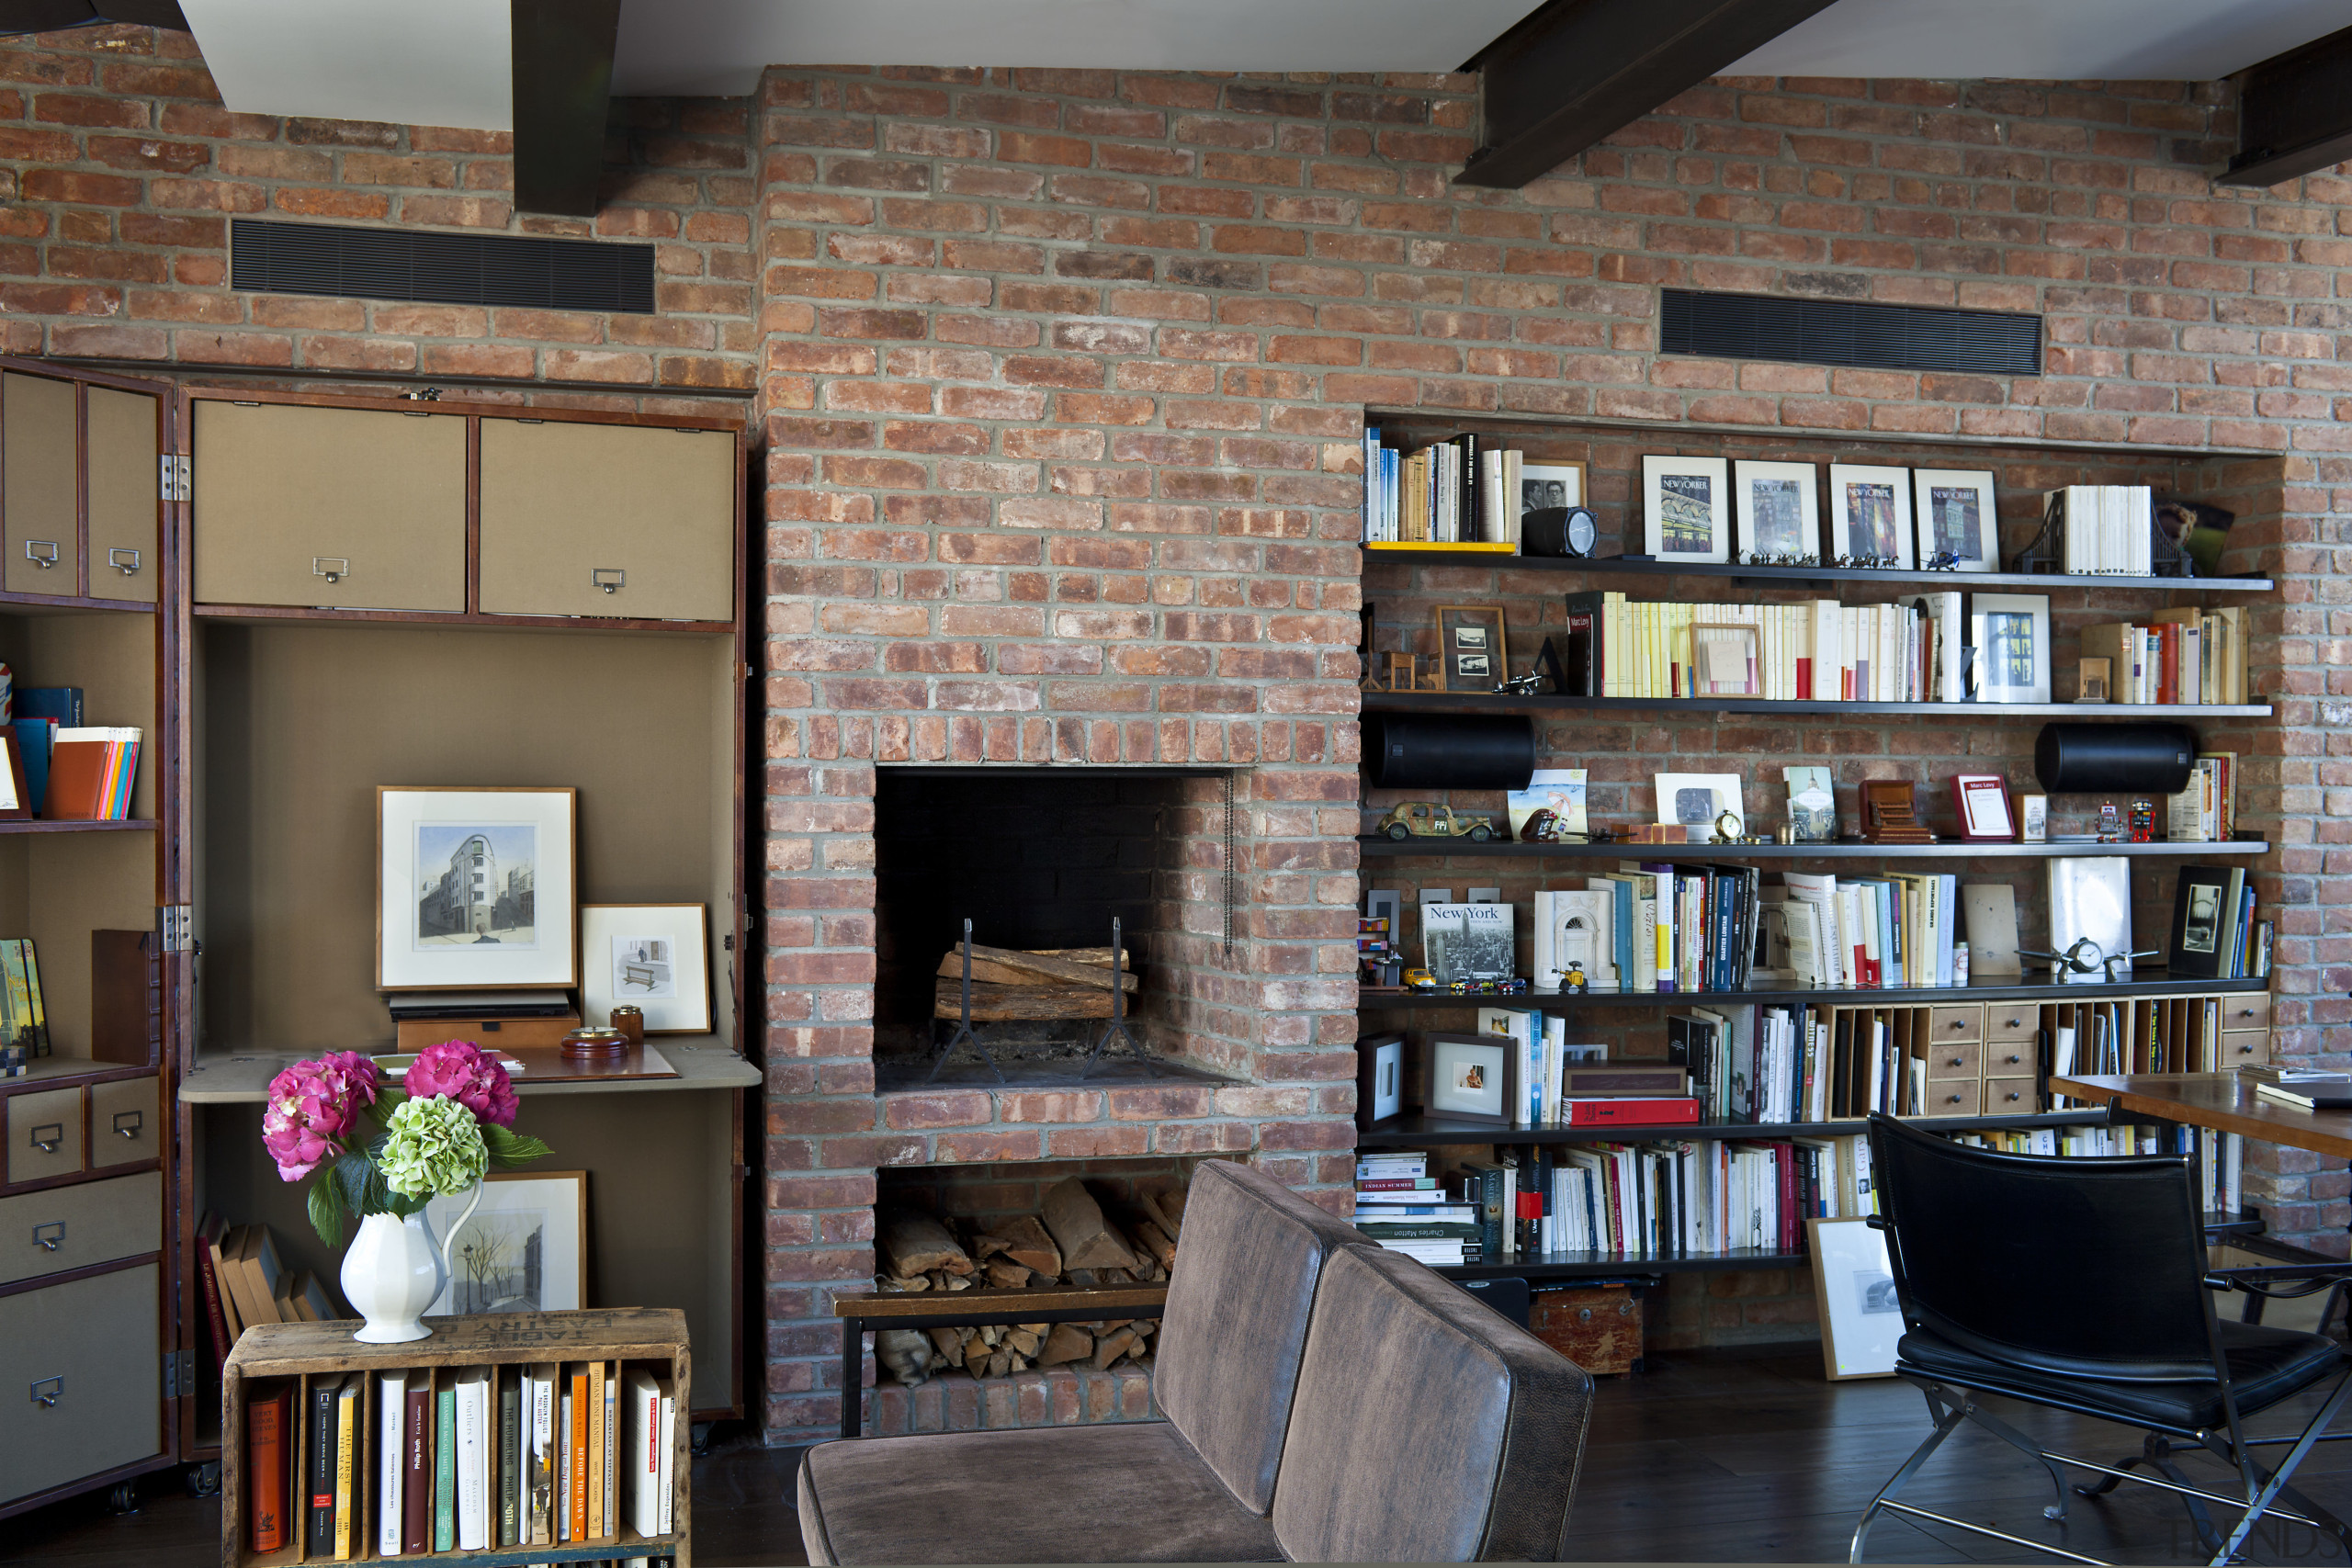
(433, 1145)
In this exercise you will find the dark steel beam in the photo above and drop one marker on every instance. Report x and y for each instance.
(1573, 71)
(56, 16)
(2294, 113)
(563, 85)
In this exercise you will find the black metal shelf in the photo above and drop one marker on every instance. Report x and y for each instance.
(1412, 1132)
(1369, 1000)
(1482, 701)
(1803, 576)
(1375, 847)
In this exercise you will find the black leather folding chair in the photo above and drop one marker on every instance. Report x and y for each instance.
(2081, 1284)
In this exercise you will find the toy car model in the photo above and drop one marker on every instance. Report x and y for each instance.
(1427, 820)
(1420, 980)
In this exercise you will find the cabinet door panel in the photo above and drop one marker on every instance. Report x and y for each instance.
(285, 495)
(570, 511)
(90, 1347)
(122, 495)
(60, 1228)
(38, 468)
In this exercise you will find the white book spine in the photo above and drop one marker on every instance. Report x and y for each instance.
(540, 1475)
(669, 1457)
(392, 1456)
(473, 1467)
(644, 1455)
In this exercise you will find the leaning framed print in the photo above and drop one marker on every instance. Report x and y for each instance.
(2010, 633)
(1779, 512)
(1543, 486)
(1870, 516)
(1470, 1078)
(652, 957)
(475, 889)
(1984, 802)
(1470, 646)
(1686, 508)
(526, 1248)
(1958, 528)
(1854, 1284)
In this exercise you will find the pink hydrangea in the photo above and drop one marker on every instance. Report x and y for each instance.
(464, 1071)
(313, 1107)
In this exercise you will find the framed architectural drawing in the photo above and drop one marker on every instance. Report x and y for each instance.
(475, 889)
(1854, 1284)
(652, 957)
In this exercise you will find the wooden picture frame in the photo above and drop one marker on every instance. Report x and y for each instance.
(1983, 802)
(558, 1198)
(1686, 509)
(1380, 1079)
(1449, 1059)
(439, 930)
(1716, 647)
(673, 989)
(1853, 1282)
(1473, 652)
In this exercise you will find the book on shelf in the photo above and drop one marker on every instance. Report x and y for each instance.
(473, 1505)
(220, 1310)
(2109, 529)
(543, 1414)
(416, 1467)
(2184, 656)
(445, 1460)
(562, 1455)
(650, 1465)
(318, 1527)
(59, 705)
(350, 1477)
(1468, 942)
(269, 1441)
(35, 738)
(1461, 493)
(90, 774)
(512, 1454)
(391, 1461)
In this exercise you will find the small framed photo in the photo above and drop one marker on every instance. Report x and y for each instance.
(1380, 1079)
(1471, 647)
(1862, 1319)
(1695, 800)
(475, 890)
(1543, 486)
(2010, 633)
(2033, 819)
(1779, 509)
(1686, 511)
(526, 1248)
(1729, 657)
(1983, 802)
(1870, 515)
(1958, 525)
(1470, 1078)
(652, 957)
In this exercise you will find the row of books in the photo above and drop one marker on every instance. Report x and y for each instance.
(1796, 1062)
(243, 1283)
(463, 1459)
(2206, 810)
(66, 771)
(2109, 528)
(1460, 490)
(2220, 1157)
(1814, 651)
(2179, 656)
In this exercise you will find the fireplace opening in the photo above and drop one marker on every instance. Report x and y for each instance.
(1042, 860)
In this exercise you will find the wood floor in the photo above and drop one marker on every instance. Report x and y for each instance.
(1714, 1457)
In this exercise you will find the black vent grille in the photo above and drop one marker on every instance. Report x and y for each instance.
(270, 257)
(1847, 332)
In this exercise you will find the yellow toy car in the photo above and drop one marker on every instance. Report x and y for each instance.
(1428, 819)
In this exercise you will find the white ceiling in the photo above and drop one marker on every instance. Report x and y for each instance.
(446, 61)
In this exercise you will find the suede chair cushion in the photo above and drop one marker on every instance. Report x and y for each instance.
(1428, 1427)
(1132, 1492)
(1226, 1360)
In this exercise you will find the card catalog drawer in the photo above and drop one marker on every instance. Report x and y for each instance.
(72, 1227)
(1947, 1024)
(2245, 1049)
(39, 484)
(126, 1123)
(123, 450)
(2010, 1096)
(1952, 1059)
(2247, 1013)
(346, 508)
(2011, 1020)
(2008, 1058)
(1951, 1097)
(81, 1375)
(44, 1134)
(629, 521)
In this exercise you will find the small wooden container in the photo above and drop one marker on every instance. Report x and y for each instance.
(589, 1044)
(630, 1021)
(1597, 1326)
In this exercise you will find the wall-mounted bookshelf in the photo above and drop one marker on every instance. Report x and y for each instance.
(1805, 576)
(1503, 702)
(1376, 847)
(1788, 991)
(1421, 1132)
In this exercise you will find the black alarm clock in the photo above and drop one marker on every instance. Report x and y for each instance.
(1570, 531)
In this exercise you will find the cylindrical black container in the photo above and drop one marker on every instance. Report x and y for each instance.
(2089, 759)
(1449, 751)
(1544, 531)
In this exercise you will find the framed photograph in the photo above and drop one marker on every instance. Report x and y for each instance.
(1380, 1079)
(1686, 510)
(526, 1249)
(2091, 679)
(2033, 819)
(1954, 507)
(654, 956)
(2010, 633)
(475, 889)
(1730, 659)
(1695, 800)
(1860, 1318)
(1983, 802)
(1779, 508)
(1470, 646)
(1546, 485)
(1470, 1078)
(1870, 514)
(2205, 906)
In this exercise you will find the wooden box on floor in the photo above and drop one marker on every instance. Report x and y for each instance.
(1597, 1326)
(642, 1337)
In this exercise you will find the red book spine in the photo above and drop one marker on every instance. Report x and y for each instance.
(1804, 680)
(267, 1429)
(1619, 1113)
(1783, 1158)
(212, 1313)
(1394, 1184)
(416, 1486)
(2168, 663)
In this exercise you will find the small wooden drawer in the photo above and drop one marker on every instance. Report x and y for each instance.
(2011, 1020)
(1947, 1024)
(1598, 1327)
(44, 1134)
(2010, 1096)
(1952, 1059)
(2244, 1048)
(81, 1367)
(72, 1227)
(126, 1123)
(1952, 1097)
(2247, 1013)
(2006, 1058)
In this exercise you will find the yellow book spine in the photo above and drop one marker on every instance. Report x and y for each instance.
(346, 1410)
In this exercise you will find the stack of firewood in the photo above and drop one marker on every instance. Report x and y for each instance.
(1065, 982)
(1070, 1242)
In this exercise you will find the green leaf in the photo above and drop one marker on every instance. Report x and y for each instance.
(509, 1148)
(326, 1209)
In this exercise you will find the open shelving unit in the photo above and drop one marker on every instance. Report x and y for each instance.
(2036, 991)
(1803, 576)
(1504, 702)
(1374, 846)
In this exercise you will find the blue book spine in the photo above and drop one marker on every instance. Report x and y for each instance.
(63, 704)
(34, 737)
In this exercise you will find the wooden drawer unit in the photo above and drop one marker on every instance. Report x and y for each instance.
(337, 507)
(627, 521)
(44, 1134)
(123, 448)
(64, 1228)
(81, 1371)
(2010, 1096)
(1952, 1059)
(2009, 1059)
(2012, 1020)
(1952, 1097)
(40, 485)
(2247, 1048)
(2251, 1011)
(1945, 1025)
(126, 1123)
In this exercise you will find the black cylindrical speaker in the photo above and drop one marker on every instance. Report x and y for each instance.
(1449, 751)
(1544, 531)
(2086, 759)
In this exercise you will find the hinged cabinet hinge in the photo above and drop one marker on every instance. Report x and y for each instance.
(171, 477)
(179, 1374)
(176, 924)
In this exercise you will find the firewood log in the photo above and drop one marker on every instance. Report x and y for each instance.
(950, 1343)
(1024, 1343)
(1111, 1347)
(891, 1284)
(1156, 1243)
(1009, 966)
(917, 1244)
(991, 1335)
(1087, 1240)
(1031, 1245)
(953, 1282)
(985, 1245)
(1010, 1275)
(1065, 1342)
(997, 1004)
(998, 1360)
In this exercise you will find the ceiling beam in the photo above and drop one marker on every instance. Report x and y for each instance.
(56, 16)
(564, 87)
(1573, 71)
(2294, 114)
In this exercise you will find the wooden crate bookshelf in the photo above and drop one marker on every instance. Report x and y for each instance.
(269, 1353)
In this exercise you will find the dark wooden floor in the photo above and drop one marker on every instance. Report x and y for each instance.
(1722, 1456)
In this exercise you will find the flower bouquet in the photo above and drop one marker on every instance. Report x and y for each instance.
(381, 1154)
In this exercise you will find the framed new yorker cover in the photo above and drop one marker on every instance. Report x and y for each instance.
(475, 889)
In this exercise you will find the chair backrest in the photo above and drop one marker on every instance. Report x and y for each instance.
(1428, 1427)
(1226, 1363)
(2089, 1268)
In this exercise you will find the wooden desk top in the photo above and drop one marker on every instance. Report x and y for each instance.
(2223, 1101)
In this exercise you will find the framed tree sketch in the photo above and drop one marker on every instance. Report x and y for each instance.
(475, 889)
(1470, 646)
(652, 957)
(1686, 509)
(526, 1248)
(1870, 515)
